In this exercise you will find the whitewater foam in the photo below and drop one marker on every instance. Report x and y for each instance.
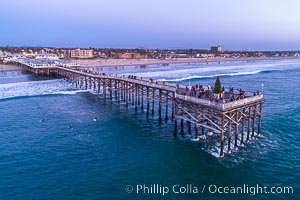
(188, 72)
(36, 88)
(212, 76)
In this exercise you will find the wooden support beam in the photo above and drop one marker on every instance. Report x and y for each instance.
(248, 123)
(173, 106)
(110, 89)
(138, 95)
(236, 128)
(94, 81)
(81, 82)
(188, 122)
(123, 91)
(181, 126)
(116, 89)
(119, 90)
(259, 118)
(243, 127)
(132, 95)
(104, 89)
(135, 97)
(175, 117)
(153, 96)
(253, 122)
(142, 98)
(229, 134)
(222, 137)
(126, 94)
(196, 121)
(167, 105)
(148, 102)
(90, 82)
(159, 104)
(129, 93)
(98, 80)
(202, 121)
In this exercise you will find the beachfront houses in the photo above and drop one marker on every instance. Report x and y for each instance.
(49, 56)
(130, 55)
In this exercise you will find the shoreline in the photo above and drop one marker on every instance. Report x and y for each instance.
(90, 63)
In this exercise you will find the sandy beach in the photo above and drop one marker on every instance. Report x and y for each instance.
(127, 62)
(9, 68)
(91, 63)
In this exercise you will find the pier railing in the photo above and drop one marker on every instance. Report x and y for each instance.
(242, 102)
(132, 80)
(220, 105)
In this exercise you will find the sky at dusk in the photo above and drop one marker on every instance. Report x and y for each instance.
(234, 24)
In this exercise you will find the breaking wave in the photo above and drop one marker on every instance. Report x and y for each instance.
(175, 73)
(212, 76)
(36, 88)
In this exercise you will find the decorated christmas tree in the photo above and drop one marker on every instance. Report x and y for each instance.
(217, 88)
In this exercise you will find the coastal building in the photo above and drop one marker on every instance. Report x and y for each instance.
(206, 55)
(62, 63)
(130, 55)
(178, 55)
(81, 53)
(29, 55)
(46, 63)
(18, 56)
(37, 62)
(49, 56)
(216, 49)
(46, 51)
(61, 56)
(102, 55)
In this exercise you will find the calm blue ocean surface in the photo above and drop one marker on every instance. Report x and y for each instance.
(50, 147)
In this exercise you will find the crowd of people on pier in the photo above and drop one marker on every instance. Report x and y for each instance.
(206, 92)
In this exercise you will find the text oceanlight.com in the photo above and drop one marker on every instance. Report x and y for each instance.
(207, 189)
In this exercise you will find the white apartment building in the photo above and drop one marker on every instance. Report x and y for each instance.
(82, 53)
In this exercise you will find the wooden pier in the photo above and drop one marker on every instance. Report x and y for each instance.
(235, 122)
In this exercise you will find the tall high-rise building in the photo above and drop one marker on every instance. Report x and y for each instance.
(216, 49)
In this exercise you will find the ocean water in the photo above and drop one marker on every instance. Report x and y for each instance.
(50, 147)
